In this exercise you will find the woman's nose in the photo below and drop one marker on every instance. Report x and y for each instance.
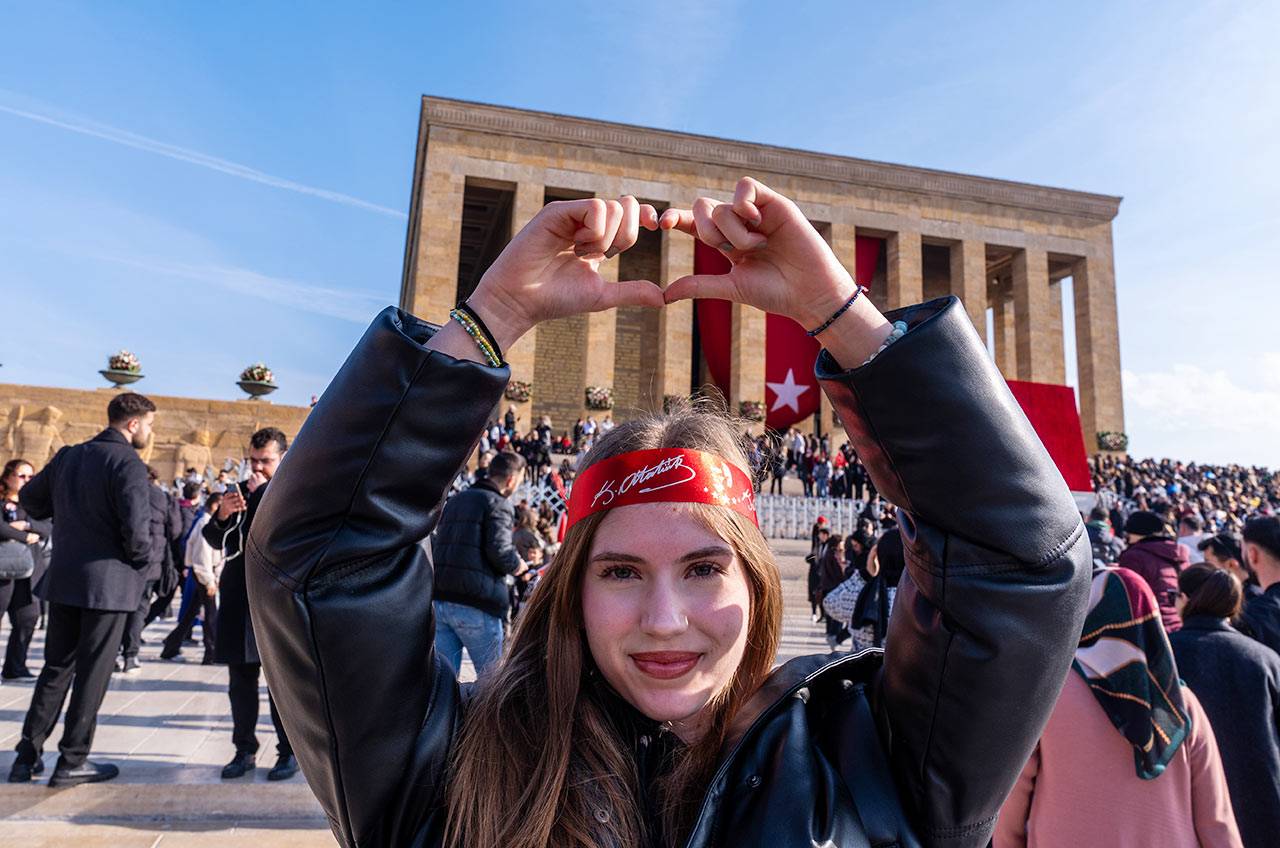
(664, 613)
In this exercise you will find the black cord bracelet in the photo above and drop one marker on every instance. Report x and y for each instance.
(471, 313)
(857, 292)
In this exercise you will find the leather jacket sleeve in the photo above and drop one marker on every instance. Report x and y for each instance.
(340, 589)
(989, 610)
(499, 551)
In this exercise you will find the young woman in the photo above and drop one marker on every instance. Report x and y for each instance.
(16, 596)
(1237, 680)
(636, 705)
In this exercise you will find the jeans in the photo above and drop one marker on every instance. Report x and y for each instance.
(459, 626)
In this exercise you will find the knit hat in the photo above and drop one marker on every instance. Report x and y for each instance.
(1144, 523)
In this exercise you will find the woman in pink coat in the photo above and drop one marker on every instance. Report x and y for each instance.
(1128, 757)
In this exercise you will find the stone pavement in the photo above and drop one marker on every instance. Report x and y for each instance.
(169, 730)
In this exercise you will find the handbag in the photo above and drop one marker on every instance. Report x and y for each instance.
(16, 562)
(838, 604)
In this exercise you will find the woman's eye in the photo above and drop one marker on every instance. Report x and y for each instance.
(705, 569)
(619, 572)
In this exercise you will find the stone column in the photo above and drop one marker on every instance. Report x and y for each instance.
(430, 294)
(746, 364)
(969, 281)
(599, 343)
(1003, 327)
(905, 283)
(1030, 312)
(1098, 347)
(1057, 365)
(521, 357)
(675, 321)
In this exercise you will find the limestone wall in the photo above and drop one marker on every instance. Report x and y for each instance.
(189, 432)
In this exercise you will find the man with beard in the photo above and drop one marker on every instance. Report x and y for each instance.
(98, 495)
(236, 646)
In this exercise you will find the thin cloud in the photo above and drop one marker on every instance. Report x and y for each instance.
(194, 157)
(356, 307)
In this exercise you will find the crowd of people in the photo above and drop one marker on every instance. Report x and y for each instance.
(1187, 579)
(104, 546)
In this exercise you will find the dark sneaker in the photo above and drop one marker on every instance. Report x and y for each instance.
(241, 765)
(285, 768)
(23, 772)
(132, 666)
(86, 772)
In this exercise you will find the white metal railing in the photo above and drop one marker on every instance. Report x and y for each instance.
(791, 517)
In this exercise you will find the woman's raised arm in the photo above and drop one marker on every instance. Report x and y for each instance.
(340, 588)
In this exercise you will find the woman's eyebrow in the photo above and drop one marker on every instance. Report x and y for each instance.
(708, 551)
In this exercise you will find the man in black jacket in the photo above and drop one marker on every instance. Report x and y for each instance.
(166, 527)
(473, 557)
(1262, 554)
(97, 493)
(236, 645)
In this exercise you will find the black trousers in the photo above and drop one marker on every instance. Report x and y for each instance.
(242, 687)
(24, 612)
(79, 654)
(132, 641)
(204, 605)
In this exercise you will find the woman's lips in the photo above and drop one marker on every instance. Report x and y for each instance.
(665, 665)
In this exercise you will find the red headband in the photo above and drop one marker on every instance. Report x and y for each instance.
(663, 475)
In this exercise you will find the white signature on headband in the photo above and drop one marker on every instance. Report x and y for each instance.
(671, 463)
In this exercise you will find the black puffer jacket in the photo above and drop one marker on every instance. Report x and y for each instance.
(472, 549)
(832, 750)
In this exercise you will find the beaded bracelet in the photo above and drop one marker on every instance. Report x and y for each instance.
(857, 292)
(473, 330)
(899, 330)
(484, 328)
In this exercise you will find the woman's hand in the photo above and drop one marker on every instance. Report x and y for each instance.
(20, 525)
(780, 264)
(551, 269)
(33, 538)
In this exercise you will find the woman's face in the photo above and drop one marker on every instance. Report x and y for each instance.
(666, 607)
(18, 478)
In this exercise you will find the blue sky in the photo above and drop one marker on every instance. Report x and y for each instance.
(213, 185)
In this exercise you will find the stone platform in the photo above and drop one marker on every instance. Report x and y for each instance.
(169, 729)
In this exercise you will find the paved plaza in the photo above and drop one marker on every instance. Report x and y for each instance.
(169, 730)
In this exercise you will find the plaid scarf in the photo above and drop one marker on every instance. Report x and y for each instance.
(1124, 656)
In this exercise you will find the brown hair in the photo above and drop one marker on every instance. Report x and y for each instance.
(128, 405)
(11, 467)
(537, 758)
(1210, 591)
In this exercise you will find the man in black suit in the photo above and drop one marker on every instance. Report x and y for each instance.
(98, 496)
(236, 646)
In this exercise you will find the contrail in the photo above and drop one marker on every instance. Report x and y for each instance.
(193, 157)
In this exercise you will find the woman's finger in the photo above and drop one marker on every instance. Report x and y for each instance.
(735, 230)
(718, 286)
(628, 228)
(678, 219)
(648, 216)
(750, 197)
(584, 219)
(629, 293)
(608, 230)
(706, 228)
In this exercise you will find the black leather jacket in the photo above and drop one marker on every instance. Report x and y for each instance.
(834, 750)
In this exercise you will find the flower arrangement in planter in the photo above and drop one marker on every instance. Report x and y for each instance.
(752, 410)
(599, 397)
(257, 380)
(1113, 441)
(122, 368)
(518, 391)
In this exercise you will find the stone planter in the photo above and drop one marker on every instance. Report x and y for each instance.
(119, 378)
(256, 388)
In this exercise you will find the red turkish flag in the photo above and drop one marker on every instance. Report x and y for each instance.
(791, 390)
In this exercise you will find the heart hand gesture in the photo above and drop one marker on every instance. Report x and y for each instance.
(551, 269)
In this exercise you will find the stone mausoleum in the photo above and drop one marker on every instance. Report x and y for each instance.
(1004, 248)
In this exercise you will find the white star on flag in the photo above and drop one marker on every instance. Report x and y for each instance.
(787, 393)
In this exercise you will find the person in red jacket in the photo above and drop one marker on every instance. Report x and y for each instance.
(1157, 557)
